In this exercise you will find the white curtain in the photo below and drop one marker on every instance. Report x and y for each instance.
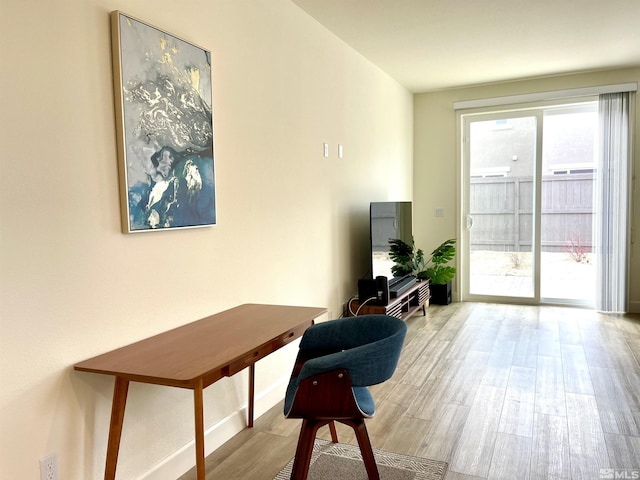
(612, 203)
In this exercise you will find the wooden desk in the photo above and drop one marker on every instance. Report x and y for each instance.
(195, 356)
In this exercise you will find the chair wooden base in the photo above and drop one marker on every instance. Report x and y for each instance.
(308, 433)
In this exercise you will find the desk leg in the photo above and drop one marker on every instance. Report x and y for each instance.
(252, 381)
(120, 390)
(199, 418)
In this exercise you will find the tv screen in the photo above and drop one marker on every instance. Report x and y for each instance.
(388, 220)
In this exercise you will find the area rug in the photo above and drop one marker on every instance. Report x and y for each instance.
(337, 461)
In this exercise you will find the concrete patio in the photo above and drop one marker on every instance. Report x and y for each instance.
(510, 274)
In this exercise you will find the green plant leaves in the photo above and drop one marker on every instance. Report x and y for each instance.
(402, 255)
(408, 261)
(440, 275)
(445, 252)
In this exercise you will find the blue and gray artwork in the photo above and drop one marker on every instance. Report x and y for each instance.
(168, 129)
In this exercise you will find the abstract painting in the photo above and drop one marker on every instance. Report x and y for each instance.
(164, 128)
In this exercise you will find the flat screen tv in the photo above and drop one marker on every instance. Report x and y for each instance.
(388, 220)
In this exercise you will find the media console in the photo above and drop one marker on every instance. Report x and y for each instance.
(403, 306)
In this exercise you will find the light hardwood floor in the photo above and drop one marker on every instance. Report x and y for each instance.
(497, 391)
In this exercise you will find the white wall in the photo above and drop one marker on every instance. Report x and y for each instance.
(292, 226)
(436, 157)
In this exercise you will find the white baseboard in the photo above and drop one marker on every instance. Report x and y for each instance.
(215, 436)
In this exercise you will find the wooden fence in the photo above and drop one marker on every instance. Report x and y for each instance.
(502, 211)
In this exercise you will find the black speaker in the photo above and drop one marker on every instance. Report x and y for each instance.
(377, 289)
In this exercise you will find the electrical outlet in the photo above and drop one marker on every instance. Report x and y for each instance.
(49, 467)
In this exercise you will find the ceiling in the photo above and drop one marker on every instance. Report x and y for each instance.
(430, 45)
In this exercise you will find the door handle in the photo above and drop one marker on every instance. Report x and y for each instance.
(469, 222)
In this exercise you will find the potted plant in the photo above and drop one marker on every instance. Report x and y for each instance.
(410, 261)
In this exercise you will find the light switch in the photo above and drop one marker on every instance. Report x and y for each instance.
(339, 151)
(325, 146)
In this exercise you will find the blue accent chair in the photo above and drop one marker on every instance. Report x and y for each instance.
(336, 363)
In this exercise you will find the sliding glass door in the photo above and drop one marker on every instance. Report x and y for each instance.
(527, 196)
(502, 152)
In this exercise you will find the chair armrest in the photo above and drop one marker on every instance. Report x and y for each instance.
(367, 365)
(336, 335)
(367, 347)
